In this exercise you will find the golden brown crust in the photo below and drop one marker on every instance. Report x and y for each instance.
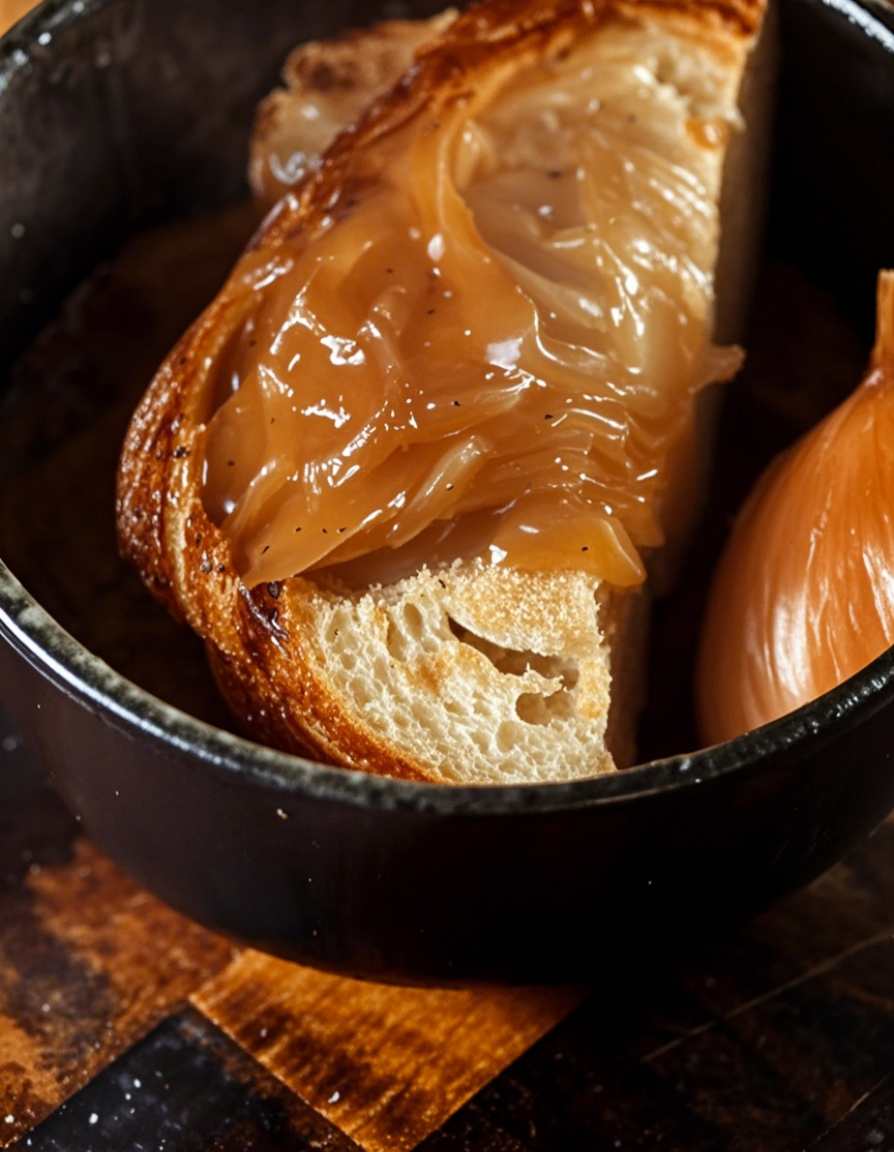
(328, 84)
(255, 648)
(266, 653)
(163, 527)
(738, 18)
(490, 37)
(256, 638)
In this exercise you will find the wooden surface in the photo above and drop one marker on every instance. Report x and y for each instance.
(90, 964)
(406, 1058)
(125, 1027)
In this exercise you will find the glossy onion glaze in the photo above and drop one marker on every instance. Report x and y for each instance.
(491, 349)
(804, 594)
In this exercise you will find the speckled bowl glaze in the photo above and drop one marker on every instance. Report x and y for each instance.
(106, 125)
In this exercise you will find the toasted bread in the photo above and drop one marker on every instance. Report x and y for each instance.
(328, 87)
(462, 670)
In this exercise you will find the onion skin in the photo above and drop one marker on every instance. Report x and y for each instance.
(803, 596)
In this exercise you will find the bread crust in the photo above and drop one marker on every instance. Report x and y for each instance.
(337, 80)
(264, 645)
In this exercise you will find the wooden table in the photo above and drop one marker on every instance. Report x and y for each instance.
(123, 1026)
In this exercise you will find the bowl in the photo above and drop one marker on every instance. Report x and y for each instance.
(114, 116)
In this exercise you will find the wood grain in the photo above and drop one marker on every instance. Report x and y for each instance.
(869, 1124)
(186, 1088)
(763, 1040)
(89, 963)
(88, 960)
(387, 1065)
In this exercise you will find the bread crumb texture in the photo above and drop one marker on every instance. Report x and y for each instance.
(480, 675)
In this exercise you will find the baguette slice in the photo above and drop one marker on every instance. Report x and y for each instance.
(458, 671)
(329, 85)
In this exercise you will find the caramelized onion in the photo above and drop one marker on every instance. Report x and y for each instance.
(483, 320)
(804, 594)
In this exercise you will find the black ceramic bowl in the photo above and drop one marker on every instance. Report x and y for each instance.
(115, 114)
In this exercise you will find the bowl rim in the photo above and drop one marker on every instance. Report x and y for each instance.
(82, 676)
(92, 683)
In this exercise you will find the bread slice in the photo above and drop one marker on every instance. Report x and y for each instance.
(460, 670)
(328, 87)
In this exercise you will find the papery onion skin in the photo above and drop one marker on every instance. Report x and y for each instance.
(803, 596)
